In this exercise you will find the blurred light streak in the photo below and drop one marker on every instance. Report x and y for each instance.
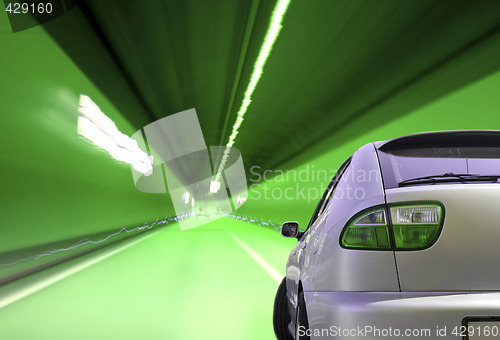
(102, 131)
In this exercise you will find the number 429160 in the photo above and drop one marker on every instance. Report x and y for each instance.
(484, 331)
(18, 8)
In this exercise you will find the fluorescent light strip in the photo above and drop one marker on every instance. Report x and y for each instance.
(265, 51)
(98, 128)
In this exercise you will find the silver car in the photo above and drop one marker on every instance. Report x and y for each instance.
(405, 243)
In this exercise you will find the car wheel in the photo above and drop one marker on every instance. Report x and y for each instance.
(301, 324)
(281, 316)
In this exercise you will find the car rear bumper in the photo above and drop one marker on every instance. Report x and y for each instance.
(387, 315)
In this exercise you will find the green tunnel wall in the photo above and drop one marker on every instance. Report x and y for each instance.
(56, 185)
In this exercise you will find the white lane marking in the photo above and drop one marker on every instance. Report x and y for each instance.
(20, 293)
(276, 275)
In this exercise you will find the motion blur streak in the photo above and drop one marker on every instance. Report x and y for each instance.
(85, 241)
(39, 285)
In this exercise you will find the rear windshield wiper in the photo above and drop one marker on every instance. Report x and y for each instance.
(449, 177)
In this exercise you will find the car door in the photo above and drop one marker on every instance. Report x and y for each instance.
(316, 234)
(297, 257)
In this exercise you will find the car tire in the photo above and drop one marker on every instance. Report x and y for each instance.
(301, 323)
(281, 315)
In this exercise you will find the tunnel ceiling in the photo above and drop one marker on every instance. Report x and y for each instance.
(334, 68)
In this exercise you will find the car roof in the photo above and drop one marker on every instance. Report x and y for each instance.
(451, 138)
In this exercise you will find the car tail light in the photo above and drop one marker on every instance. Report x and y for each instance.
(410, 227)
(367, 230)
(416, 226)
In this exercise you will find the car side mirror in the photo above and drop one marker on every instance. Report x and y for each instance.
(290, 229)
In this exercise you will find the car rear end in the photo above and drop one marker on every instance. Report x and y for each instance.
(446, 230)
(441, 221)
(447, 236)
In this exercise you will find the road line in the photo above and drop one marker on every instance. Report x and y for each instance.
(276, 275)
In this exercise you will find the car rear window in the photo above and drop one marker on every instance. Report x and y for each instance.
(404, 164)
